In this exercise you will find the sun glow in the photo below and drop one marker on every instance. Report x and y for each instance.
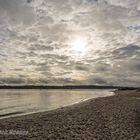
(79, 46)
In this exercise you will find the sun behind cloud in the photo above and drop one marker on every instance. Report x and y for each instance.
(78, 46)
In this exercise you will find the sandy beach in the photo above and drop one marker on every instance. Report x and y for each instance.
(109, 118)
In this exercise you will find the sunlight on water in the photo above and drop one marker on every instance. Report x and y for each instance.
(20, 102)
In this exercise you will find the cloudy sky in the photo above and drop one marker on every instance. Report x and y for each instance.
(70, 42)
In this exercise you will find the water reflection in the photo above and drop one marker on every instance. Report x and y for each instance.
(15, 102)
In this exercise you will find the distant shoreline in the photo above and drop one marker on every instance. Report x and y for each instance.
(66, 87)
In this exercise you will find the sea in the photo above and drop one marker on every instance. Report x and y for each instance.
(17, 102)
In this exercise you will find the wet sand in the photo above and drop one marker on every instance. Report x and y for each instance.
(108, 118)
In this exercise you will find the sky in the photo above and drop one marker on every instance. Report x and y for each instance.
(70, 42)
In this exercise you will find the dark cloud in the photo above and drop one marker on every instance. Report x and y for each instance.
(37, 81)
(42, 47)
(16, 10)
(11, 80)
(29, 1)
(102, 67)
(17, 69)
(137, 66)
(82, 67)
(128, 51)
(92, 0)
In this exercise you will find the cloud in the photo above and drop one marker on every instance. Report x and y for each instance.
(81, 68)
(128, 51)
(11, 80)
(99, 81)
(36, 38)
(16, 11)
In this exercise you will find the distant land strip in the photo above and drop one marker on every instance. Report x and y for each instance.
(65, 87)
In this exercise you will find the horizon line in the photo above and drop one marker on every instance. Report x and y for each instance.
(65, 87)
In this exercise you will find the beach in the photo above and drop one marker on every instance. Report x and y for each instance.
(107, 118)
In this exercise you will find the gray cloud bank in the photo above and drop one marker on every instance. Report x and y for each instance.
(35, 38)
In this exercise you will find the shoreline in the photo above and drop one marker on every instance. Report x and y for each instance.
(47, 111)
(21, 113)
(44, 111)
(113, 117)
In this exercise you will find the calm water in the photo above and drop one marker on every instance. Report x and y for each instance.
(20, 102)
